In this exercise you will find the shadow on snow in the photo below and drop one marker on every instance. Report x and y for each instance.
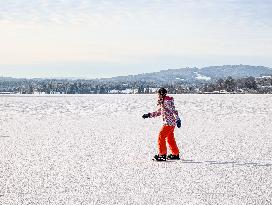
(235, 163)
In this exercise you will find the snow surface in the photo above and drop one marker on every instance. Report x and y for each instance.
(96, 149)
(202, 77)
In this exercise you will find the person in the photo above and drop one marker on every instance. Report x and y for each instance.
(170, 120)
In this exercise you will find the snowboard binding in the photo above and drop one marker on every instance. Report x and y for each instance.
(158, 157)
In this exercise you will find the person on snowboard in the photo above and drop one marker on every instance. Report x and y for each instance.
(170, 120)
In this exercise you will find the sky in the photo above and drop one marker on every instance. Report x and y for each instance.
(106, 38)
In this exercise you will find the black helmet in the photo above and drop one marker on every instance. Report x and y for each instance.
(162, 91)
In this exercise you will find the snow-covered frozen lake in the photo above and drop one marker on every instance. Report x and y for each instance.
(96, 149)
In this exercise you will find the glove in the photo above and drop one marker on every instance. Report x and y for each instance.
(178, 122)
(146, 115)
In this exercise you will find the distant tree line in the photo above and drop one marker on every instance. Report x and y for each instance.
(243, 85)
(56, 86)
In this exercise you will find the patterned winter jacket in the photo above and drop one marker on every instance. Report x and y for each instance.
(168, 111)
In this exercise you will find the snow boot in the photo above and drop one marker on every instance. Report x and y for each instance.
(173, 157)
(160, 157)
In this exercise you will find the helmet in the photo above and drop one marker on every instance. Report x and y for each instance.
(162, 91)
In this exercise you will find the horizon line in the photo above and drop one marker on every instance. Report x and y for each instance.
(102, 78)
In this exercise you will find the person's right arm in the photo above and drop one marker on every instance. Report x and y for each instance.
(156, 113)
(153, 114)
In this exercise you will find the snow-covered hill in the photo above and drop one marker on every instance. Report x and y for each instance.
(192, 75)
(97, 149)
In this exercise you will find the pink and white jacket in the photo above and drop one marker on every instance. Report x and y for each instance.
(168, 111)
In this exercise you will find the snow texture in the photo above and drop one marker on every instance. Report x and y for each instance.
(96, 149)
(202, 77)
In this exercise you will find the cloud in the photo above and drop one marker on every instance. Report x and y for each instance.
(156, 12)
(127, 31)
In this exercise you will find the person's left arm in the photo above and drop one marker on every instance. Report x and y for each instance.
(169, 105)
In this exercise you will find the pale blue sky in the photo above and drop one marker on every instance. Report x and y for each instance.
(89, 38)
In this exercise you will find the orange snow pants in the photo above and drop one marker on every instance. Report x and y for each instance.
(167, 133)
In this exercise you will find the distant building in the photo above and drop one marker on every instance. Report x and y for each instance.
(6, 93)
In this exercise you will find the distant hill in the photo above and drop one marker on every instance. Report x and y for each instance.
(162, 76)
(191, 75)
(235, 71)
(186, 75)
